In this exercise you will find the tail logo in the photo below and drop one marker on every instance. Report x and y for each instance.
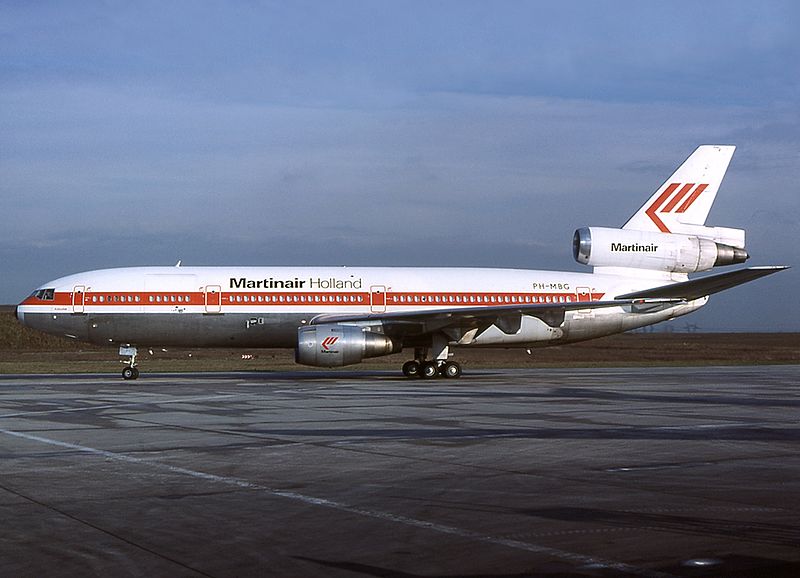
(667, 201)
(328, 342)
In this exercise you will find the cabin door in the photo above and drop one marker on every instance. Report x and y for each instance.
(78, 297)
(213, 299)
(377, 299)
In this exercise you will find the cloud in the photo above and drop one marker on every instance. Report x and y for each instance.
(331, 133)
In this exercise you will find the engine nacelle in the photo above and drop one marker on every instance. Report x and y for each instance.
(336, 345)
(604, 247)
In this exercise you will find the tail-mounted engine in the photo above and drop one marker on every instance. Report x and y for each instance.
(604, 247)
(337, 345)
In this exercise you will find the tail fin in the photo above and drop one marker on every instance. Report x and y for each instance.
(685, 199)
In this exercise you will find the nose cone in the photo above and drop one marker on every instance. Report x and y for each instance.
(20, 315)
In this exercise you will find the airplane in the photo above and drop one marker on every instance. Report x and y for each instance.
(339, 316)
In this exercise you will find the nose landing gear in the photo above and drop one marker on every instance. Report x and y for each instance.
(130, 373)
(130, 370)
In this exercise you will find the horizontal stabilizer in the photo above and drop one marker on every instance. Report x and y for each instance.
(697, 288)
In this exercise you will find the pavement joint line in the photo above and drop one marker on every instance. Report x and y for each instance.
(351, 509)
(113, 534)
(115, 406)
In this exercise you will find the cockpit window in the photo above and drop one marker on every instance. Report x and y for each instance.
(45, 294)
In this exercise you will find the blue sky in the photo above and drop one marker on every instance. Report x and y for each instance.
(388, 133)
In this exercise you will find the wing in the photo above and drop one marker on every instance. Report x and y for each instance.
(459, 320)
(456, 321)
(696, 288)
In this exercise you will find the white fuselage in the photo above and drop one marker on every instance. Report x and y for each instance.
(264, 306)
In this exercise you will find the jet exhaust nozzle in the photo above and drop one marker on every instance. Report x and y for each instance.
(727, 255)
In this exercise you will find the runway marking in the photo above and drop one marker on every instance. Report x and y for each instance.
(351, 509)
(116, 405)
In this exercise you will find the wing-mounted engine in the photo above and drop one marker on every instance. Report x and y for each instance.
(706, 248)
(336, 345)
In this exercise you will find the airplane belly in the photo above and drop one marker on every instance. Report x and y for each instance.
(196, 330)
(598, 323)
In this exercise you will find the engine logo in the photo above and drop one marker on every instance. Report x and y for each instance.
(328, 342)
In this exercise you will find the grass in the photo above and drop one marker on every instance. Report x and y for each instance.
(23, 350)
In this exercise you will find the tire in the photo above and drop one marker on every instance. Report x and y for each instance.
(430, 370)
(412, 368)
(130, 373)
(451, 370)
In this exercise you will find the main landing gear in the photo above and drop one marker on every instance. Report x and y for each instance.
(130, 370)
(432, 368)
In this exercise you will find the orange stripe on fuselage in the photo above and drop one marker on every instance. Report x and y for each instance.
(344, 299)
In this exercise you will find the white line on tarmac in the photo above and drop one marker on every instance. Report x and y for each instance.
(351, 509)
